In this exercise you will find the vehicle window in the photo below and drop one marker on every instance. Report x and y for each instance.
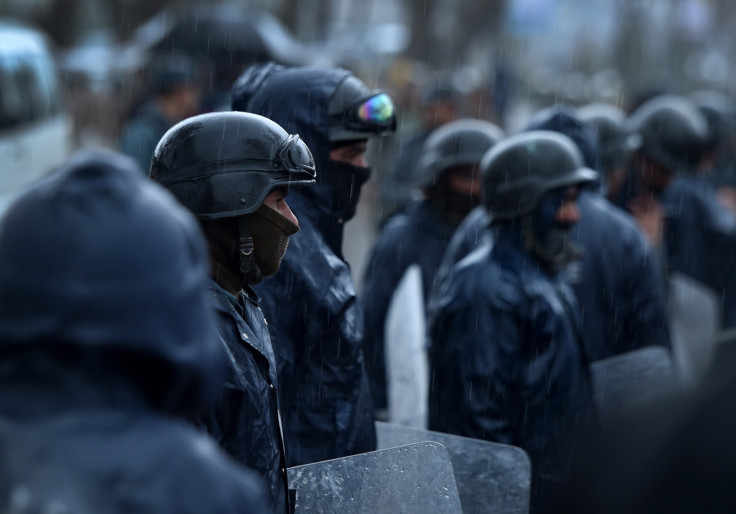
(27, 89)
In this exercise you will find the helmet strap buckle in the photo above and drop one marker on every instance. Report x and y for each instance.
(250, 271)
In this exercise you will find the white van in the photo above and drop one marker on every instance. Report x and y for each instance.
(35, 132)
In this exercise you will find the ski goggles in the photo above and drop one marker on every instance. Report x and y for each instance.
(374, 114)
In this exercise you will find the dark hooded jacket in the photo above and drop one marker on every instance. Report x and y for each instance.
(417, 235)
(91, 441)
(700, 239)
(507, 363)
(245, 418)
(620, 288)
(106, 343)
(315, 320)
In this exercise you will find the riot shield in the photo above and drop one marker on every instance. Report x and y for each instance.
(491, 477)
(406, 358)
(632, 379)
(694, 320)
(413, 478)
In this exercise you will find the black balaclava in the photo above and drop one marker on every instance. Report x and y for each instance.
(236, 266)
(345, 182)
(270, 231)
(452, 205)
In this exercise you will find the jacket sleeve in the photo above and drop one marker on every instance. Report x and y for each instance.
(283, 317)
(479, 344)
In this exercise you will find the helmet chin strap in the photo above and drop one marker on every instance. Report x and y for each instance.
(248, 267)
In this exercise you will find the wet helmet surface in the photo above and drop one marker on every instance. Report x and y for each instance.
(461, 142)
(224, 164)
(518, 171)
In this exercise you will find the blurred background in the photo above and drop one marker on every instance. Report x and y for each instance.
(501, 59)
(506, 57)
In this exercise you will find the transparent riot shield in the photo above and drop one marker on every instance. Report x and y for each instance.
(406, 359)
(412, 478)
(694, 321)
(632, 379)
(491, 477)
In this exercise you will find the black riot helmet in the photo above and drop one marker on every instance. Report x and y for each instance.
(614, 143)
(461, 142)
(94, 258)
(671, 131)
(355, 112)
(518, 171)
(224, 164)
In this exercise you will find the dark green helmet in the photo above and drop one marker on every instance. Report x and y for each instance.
(224, 164)
(671, 131)
(461, 142)
(518, 171)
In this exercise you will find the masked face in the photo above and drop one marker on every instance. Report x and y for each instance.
(456, 193)
(270, 231)
(548, 230)
(347, 174)
(346, 182)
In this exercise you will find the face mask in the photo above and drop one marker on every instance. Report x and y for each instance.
(270, 231)
(345, 181)
(453, 205)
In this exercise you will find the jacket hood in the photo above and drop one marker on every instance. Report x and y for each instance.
(298, 99)
(93, 257)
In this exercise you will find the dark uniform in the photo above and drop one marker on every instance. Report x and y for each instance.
(506, 352)
(420, 233)
(699, 234)
(245, 419)
(222, 166)
(316, 321)
(700, 239)
(619, 284)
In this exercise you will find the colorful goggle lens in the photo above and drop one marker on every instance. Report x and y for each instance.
(377, 109)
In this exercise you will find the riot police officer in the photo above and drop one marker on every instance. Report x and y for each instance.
(506, 356)
(107, 338)
(618, 285)
(448, 177)
(233, 171)
(614, 144)
(698, 235)
(317, 322)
